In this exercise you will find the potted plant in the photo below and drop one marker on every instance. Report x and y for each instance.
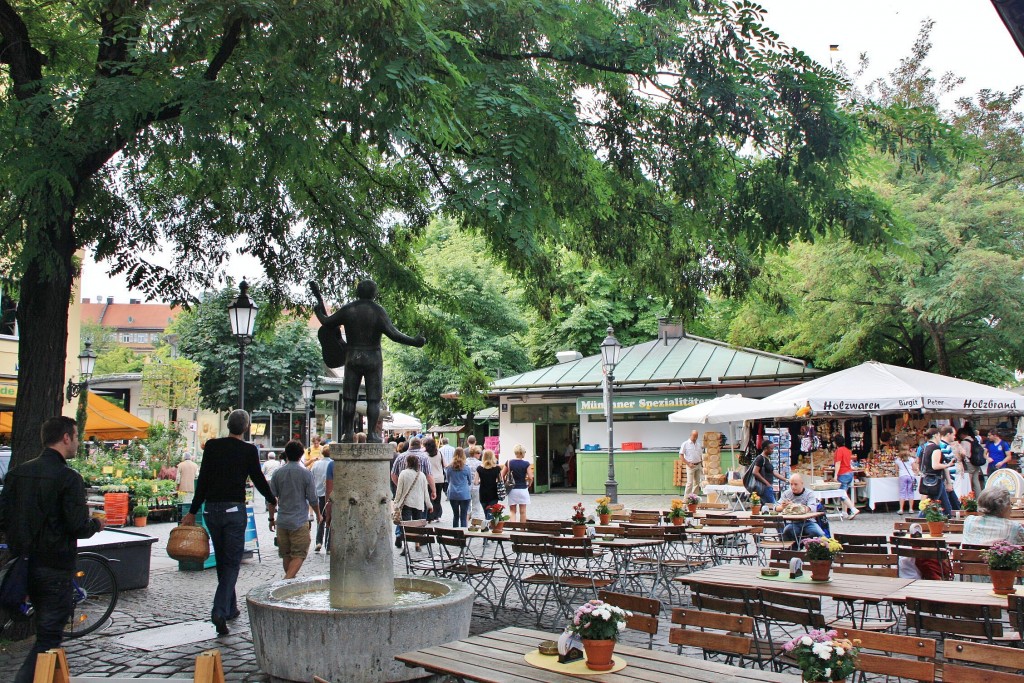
(579, 520)
(969, 504)
(755, 504)
(604, 513)
(820, 553)
(1004, 560)
(598, 625)
(692, 501)
(498, 517)
(140, 513)
(934, 515)
(677, 513)
(822, 656)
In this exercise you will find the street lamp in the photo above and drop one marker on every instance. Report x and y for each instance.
(242, 313)
(307, 396)
(610, 349)
(86, 364)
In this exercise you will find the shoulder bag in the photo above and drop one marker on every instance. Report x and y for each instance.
(931, 482)
(750, 482)
(502, 491)
(396, 515)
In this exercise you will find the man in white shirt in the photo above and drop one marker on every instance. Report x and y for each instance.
(693, 456)
(447, 451)
(271, 465)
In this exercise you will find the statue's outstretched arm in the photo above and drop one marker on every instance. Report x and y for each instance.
(395, 335)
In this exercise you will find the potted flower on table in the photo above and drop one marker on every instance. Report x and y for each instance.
(692, 501)
(969, 504)
(598, 625)
(934, 515)
(140, 513)
(1004, 561)
(677, 513)
(498, 517)
(820, 553)
(755, 504)
(579, 520)
(604, 512)
(822, 656)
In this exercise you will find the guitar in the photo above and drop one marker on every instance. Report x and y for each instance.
(332, 347)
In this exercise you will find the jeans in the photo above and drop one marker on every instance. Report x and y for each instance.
(435, 513)
(486, 504)
(460, 508)
(321, 502)
(797, 531)
(767, 494)
(227, 532)
(50, 592)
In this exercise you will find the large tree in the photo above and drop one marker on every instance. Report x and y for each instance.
(322, 135)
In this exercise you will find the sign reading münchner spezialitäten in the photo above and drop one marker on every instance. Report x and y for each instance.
(655, 403)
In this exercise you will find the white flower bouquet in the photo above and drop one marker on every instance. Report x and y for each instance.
(597, 620)
(822, 656)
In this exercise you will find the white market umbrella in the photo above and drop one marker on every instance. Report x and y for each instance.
(402, 422)
(708, 412)
(873, 387)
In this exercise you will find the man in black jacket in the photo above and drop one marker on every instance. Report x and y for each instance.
(227, 463)
(43, 512)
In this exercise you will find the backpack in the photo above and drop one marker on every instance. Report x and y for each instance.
(977, 454)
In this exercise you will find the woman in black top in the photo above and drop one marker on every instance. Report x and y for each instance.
(487, 479)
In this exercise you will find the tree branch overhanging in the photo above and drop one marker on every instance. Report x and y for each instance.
(16, 50)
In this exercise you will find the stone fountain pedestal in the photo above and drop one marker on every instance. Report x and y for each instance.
(354, 640)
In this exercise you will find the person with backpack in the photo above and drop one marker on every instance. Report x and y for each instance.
(976, 460)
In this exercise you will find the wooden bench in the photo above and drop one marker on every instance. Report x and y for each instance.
(52, 667)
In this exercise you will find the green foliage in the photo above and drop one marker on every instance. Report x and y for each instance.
(281, 355)
(170, 383)
(478, 324)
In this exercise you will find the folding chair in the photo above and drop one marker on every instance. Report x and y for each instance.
(924, 549)
(738, 601)
(644, 563)
(865, 564)
(779, 611)
(645, 612)
(645, 517)
(577, 568)
(682, 556)
(979, 622)
(878, 654)
(714, 633)
(1007, 663)
(461, 564)
(416, 534)
(863, 543)
(530, 572)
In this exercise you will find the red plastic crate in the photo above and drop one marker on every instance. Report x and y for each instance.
(632, 445)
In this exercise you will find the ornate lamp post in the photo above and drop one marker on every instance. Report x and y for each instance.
(307, 396)
(86, 364)
(242, 313)
(610, 349)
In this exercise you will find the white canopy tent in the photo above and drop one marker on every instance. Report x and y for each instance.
(400, 422)
(875, 388)
(708, 412)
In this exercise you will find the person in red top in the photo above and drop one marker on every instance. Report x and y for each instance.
(844, 472)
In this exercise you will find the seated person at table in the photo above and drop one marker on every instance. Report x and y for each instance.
(993, 523)
(798, 494)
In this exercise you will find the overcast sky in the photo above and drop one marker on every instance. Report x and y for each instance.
(969, 39)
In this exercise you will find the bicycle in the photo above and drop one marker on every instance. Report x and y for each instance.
(95, 595)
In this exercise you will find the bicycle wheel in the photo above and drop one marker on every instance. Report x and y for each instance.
(95, 594)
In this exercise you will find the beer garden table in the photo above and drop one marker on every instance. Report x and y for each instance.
(498, 657)
(842, 586)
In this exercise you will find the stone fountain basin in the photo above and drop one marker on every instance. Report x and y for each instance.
(355, 645)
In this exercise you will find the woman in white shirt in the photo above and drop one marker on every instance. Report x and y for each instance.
(412, 494)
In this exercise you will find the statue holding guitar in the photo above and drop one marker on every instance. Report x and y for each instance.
(365, 321)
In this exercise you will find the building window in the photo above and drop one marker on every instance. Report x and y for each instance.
(126, 339)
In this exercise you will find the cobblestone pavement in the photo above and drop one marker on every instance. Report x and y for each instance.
(175, 597)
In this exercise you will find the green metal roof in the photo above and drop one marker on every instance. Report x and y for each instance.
(661, 363)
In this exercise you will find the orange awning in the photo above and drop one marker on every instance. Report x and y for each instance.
(104, 420)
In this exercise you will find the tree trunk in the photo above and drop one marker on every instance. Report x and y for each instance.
(941, 353)
(43, 338)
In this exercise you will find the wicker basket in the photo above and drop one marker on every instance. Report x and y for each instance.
(189, 543)
(716, 479)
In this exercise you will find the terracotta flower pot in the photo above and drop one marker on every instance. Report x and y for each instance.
(140, 521)
(821, 570)
(579, 530)
(678, 521)
(755, 509)
(936, 528)
(1003, 581)
(499, 527)
(692, 508)
(599, 654)
(605, 519)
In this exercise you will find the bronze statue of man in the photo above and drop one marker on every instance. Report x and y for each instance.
(364, 321)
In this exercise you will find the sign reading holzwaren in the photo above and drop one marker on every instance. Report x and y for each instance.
(658, 403)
